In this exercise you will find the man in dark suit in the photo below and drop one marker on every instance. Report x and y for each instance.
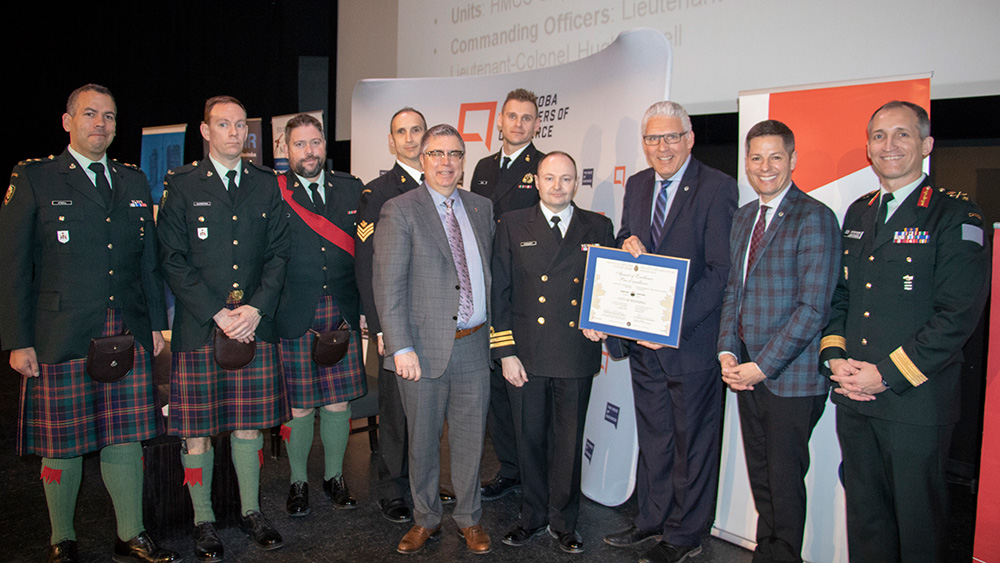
(678, 207)
(539, 261)
(432, 283)
(406, 128)
(78, 251)
(785, 250)
(224, 246)
(912, 289)
(508, 179)
(319, 294)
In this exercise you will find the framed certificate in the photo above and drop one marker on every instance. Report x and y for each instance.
(636, 298)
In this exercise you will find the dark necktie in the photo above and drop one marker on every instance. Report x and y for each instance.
(659, 216)
(883, 211)
(454, 232)
(506, 163)
(101, 182)
(755, 238)
(231, 186)
(317, 200)
(555, 229)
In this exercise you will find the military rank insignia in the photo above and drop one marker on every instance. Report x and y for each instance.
(527, 181)
(137, 203)
(911, 236)
(202, 233)
(62, 236)
(365, 230)
(9, 196)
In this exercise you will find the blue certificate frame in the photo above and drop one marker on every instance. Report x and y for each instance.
(636, 298)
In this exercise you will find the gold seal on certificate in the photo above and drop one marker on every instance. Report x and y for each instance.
(638, 298)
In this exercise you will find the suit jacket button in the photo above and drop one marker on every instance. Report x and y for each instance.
(576, 280)
(864, 342)
(541, 299)
(572, 324)
(455, 318)
(545, 278)
(541, 320)
(573, 302)
(458, 287)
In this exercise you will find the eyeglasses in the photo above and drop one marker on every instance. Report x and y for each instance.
(670, 138)
(439, 155)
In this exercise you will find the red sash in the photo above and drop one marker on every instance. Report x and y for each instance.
(323, 226)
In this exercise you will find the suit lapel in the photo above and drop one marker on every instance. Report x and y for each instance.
(579, 226)
(117, 187)
(427, 214)
(248, 183)
(540, 231)
(212, 183)
(777, 221)
(481, 225)
(515, 173)
(645, 203)
(402, 181)
(682, 196)
(77, 179)
(299, 192)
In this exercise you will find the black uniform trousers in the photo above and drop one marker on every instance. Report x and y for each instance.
(392, 461)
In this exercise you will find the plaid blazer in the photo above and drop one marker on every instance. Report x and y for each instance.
(785, 299)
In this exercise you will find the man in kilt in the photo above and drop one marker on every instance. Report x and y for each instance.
(78, 251)
(319, 294)
(223, 247)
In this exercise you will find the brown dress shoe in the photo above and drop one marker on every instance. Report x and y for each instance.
(415, 539)
(476, 538)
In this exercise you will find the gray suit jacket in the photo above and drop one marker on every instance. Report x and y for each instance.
(415, 280)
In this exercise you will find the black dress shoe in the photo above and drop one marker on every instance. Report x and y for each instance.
(260, 530)
(207, 544)
(447, 497)
(498, 487)
(664, 552)
(336, 490)
(520, 536)
(141, 548)
(395, 510)
(63, 552)
(631, 536)
(570, 542)
(298, 499)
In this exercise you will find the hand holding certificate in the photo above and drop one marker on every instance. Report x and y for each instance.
(640, 298)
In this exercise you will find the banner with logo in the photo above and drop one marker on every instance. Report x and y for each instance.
(590, 108)
(162, 149)
(830, 125)
(986, 548)
(280, 144)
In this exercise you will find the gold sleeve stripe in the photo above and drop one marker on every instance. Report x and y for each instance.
(365, 230)
(907, 367)
(501, 344)
(833, 341)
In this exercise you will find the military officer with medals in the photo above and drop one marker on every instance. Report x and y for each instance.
(539, 261)
(508, 179)
(78, 250)
(320, 295)
(914, 281)
(224, 246)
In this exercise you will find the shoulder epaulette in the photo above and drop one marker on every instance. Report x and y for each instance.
(955, 194)
(126, 164)
(28, 161)
(340, 174)
(870, 197)
(183, 168)
(260, 167)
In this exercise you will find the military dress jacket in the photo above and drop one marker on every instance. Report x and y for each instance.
(210, 247)
(908, 299)
(67, 258)
(317, 266)
(537, 290)
(512, 189)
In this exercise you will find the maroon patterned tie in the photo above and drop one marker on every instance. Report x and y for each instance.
(755, 238)
(454, 232)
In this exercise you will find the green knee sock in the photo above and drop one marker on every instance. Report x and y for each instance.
(201, 494)
(121, 469)
(61, 496)
(334, 430)
(299, 443)
(246, 460)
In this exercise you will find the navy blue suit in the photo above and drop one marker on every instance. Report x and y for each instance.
(678, 390)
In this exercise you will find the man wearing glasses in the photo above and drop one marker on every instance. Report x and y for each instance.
(432, 282)
(678, 207)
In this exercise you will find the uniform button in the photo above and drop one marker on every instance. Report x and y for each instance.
(112, 298)
(235, 242)
(264, 215)
(234, 217)
(455, 318)
(871, 258)
(576, 280)
(909, 259)
(572, 324)
(63, 217)
(545, 278)
(847, 252)
(324, 268)
(573, 302)
(108, 219)
(236, 284)
(458, 287)
(541, 320)
(324, 286)
(143, 219)
(110, 246)
(322, 249)
(541, 299)
(868, 285)
(201, 219)
(867, 314)
(236, 267)
(864, 342)
(111, 272)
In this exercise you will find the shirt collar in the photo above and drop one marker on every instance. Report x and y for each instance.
(678, 176)
(564, 215)
(514, 156)
(86, 162)
(305, 183)
(776, 201)
(222, 170)
(901, 194)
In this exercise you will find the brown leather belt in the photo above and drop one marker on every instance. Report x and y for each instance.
(459, 334)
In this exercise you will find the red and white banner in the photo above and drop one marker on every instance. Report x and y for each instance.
(830, 125)
(987, 544)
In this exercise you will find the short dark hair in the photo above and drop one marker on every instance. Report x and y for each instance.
(441, 130)
(521, 95)
(772, 127)
(75, 95)
(923, 120)
(216, 100)
(559, 153)
(301, 120)
(407, 109)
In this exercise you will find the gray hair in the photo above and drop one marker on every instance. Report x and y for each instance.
(667, 109)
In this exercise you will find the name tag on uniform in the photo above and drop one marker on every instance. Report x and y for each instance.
(202, 203)
(854, 234)
(62, 202)
(529, 243)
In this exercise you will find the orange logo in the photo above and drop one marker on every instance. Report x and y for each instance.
(464, 109)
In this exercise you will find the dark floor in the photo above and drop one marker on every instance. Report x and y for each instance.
(329, 535)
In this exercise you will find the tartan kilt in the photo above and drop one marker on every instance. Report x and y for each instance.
(206, 399)
(65, 414)
(310, 385)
